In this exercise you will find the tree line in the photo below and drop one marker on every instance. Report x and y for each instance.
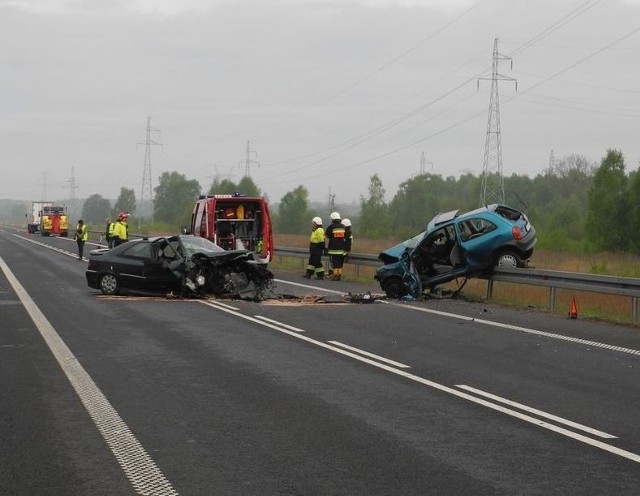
(575, 205)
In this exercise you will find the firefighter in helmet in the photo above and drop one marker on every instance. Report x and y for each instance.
(316, 248)
(348, 235)
(120, 229)
(336, 245)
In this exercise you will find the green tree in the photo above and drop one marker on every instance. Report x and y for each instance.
(607, 205)
(293, 212)
(175, 196)
(222, 187)
(126, 201)
(247, 187)
(632, 226)
(95, 209)
(416, 202)
(374, 212)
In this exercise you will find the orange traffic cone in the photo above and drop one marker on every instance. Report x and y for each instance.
(573, 310)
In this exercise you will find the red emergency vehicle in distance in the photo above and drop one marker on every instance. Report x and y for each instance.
(234, 222)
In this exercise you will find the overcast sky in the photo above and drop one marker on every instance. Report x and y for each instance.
(327, 92)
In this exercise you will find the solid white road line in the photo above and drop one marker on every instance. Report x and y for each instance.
(371, 355)
(440, 387)
(226, 305)
(137, 465)
(286, 326)
(492, 323)
(539, 413)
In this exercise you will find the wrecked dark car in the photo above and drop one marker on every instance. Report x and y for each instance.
(457, 246)
(184, 265)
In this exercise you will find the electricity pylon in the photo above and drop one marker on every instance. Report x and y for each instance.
(146, 193)
(248, 160)
(71, 184)
(492, 189)
(424, 163)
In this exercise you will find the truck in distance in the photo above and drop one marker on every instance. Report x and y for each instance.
(48, 219)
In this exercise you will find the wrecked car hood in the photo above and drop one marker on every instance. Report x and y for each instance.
(393, 254)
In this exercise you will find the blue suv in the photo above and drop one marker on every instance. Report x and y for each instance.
(457, 246)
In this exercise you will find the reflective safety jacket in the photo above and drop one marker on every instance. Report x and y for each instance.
(120, 230)
(316, 241)
(336, 238)
(110, 227)
(317, 236)
(81, 232)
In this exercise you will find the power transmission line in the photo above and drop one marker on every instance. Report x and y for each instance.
(571, 16)
(351, 143)
(367, 76)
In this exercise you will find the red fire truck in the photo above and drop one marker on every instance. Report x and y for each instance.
(234, 222)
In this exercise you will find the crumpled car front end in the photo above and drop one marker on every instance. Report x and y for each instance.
(232, 274)
(399, 278)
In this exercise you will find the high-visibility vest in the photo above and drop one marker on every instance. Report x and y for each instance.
(120, 230)
(81, 232)
(317, 235)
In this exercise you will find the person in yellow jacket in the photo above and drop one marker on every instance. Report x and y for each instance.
(316, 249)
(120, 230)
(108, 232)
(81, 237)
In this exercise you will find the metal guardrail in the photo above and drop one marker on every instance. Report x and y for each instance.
(554, 280)
(576, 281)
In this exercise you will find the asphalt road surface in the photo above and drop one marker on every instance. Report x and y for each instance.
(145, 395)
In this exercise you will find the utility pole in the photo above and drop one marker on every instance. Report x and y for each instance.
(146, 194)
(248, 160)
(71, 184)
(492, 189)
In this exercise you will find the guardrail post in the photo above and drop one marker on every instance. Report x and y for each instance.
(552, 299)
(634, 308)
(489, 289)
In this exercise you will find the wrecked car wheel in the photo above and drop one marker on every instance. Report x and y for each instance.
(109, 284)
(508, 259)
(394, 288)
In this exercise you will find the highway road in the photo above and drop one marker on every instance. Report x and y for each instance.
(145, 395)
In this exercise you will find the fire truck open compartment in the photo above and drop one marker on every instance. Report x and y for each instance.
(234, 222)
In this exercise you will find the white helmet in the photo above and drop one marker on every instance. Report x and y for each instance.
(317, 221)
(335, 216)
(346, 222)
